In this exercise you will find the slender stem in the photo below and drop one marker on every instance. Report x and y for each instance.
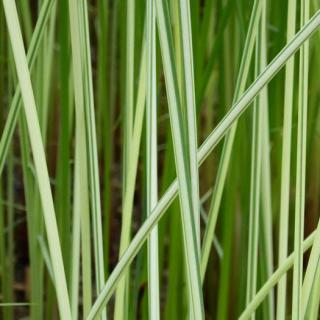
(152, 171)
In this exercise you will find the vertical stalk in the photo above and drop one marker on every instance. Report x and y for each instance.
(255, 185)
(266, 193)
(152, 163)
(301, 169)
(189, 98)
(285, 163)
(121, 302)
(105, 113)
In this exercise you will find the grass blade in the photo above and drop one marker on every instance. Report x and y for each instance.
(255, 185)
(92, 152)
(301, 171)
(152, 150)
(121, 304)
(266, 192)
(285, 162)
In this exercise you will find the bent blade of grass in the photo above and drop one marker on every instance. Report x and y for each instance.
(209, 144)
(42, 175)
(152, 174)
(301, 170)
(228, 143)
(182, 164)
(15, 106)
(285, 163)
